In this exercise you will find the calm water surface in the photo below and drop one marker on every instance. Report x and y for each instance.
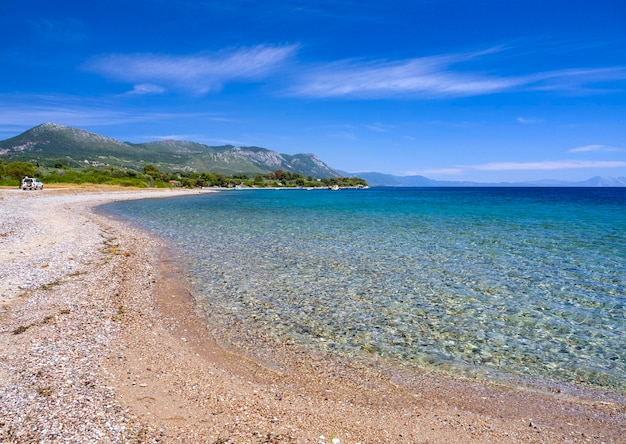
(525, 282)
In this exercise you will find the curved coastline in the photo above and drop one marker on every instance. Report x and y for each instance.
(115, 335)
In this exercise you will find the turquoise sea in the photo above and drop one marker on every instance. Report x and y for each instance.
(519, 284)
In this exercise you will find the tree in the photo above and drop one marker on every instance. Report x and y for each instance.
(17, 170)
(221, 180)
(259, 180)
(151, 170)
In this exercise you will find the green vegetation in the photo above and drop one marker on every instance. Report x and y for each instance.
(152, 177)
(17, 170)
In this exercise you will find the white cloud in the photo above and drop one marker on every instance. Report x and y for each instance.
(546, 165)
(575, 79)
(437, 76)
(427, 76)
(198, 74)
(145, 89)
(528, 120)
(443, 171)
(173, 137)
(595, 148)
(521, 166)
(24, 112)
(25, 117)
(421, 77)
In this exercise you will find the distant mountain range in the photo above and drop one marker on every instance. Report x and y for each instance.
(50, 144)
(388, 180)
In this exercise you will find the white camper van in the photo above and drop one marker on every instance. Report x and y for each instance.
(31, 183)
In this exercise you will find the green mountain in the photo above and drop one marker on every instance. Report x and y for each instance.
(50, 143)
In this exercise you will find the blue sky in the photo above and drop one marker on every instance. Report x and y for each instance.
(483, 90)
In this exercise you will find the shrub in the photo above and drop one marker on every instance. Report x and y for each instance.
(17, 170)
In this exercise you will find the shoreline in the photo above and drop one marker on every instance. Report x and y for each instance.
(150, 371)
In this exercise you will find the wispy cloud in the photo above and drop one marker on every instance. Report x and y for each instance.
(546, 165)
(173, 137)
(438, 76)
(422, 77)
(528, 120)
(595, 148)
(198, 74)
(24, 112)
(551, 165)
(443, 171)
(25, 116)
(427, 76)
(577, 80)
(145, 89)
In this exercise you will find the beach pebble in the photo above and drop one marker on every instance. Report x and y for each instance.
(55, 277)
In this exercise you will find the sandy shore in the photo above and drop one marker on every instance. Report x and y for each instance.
(99, 342)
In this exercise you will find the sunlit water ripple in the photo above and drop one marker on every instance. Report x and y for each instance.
(528, 282)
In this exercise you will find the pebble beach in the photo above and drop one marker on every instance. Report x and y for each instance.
(100, 342)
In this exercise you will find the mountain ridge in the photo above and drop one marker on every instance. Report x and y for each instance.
(74, 147)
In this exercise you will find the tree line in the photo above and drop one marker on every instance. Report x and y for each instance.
(151, 176)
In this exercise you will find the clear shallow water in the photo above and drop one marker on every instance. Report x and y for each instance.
(528, 282)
